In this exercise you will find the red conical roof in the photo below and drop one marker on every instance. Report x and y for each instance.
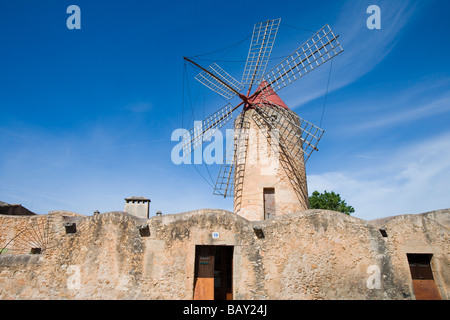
(267, 93)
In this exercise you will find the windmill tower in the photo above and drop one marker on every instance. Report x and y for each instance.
(264, 163)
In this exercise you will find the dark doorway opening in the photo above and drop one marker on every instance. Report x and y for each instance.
(36, 251)
(422, 276)
(213, 274)
(269, 202)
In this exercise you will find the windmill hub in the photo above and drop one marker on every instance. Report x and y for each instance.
(243, 97)
(265, 96)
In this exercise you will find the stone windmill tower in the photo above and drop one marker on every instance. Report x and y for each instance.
(264, 163)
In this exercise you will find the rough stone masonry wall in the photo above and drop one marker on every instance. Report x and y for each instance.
(423, 233)
(313, 254)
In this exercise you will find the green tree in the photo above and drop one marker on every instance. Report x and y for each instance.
(329, 201)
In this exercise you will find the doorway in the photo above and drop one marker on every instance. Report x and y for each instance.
(422, 277)
(213, 274)
(269, 202)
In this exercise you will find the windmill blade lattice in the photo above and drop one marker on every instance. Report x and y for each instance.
(203, 131)
(317, 50)
(219, 81)
(292, 129)
(224, 182)
(263, 38)
(233, 163)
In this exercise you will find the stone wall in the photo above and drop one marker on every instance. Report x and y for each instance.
(313, 254)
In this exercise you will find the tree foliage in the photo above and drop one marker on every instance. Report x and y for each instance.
(329, 201)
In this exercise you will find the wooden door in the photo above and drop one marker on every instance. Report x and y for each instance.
(204, 273)
(213, 276)
(269, 202)
(422, 276)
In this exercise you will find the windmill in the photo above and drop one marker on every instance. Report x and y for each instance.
(272, 182)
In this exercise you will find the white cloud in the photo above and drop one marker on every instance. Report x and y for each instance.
(140, 107)
(412, 180)
(426, 99)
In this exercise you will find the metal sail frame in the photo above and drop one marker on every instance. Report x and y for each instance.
(317, 50)
(303, 131)
(261, 45)
(233, 160)
(214, 84)
(312, 54)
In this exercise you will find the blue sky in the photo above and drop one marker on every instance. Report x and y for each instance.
(87, 115)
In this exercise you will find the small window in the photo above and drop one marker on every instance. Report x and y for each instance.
(419, 264)
(144, 230)
(71, 227)
(36, 251)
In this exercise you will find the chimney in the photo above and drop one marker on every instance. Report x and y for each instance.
(138, 206)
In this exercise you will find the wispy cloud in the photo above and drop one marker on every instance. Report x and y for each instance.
(61, 168)
(418, 102)
(140, 107)
(364, 49)
(431, 108)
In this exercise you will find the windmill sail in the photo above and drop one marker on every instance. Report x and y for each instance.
(234, 160)
(204, 130)
(263, 38)
(320, 48)
(224, 182)
(291, 130)
(218, 80)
